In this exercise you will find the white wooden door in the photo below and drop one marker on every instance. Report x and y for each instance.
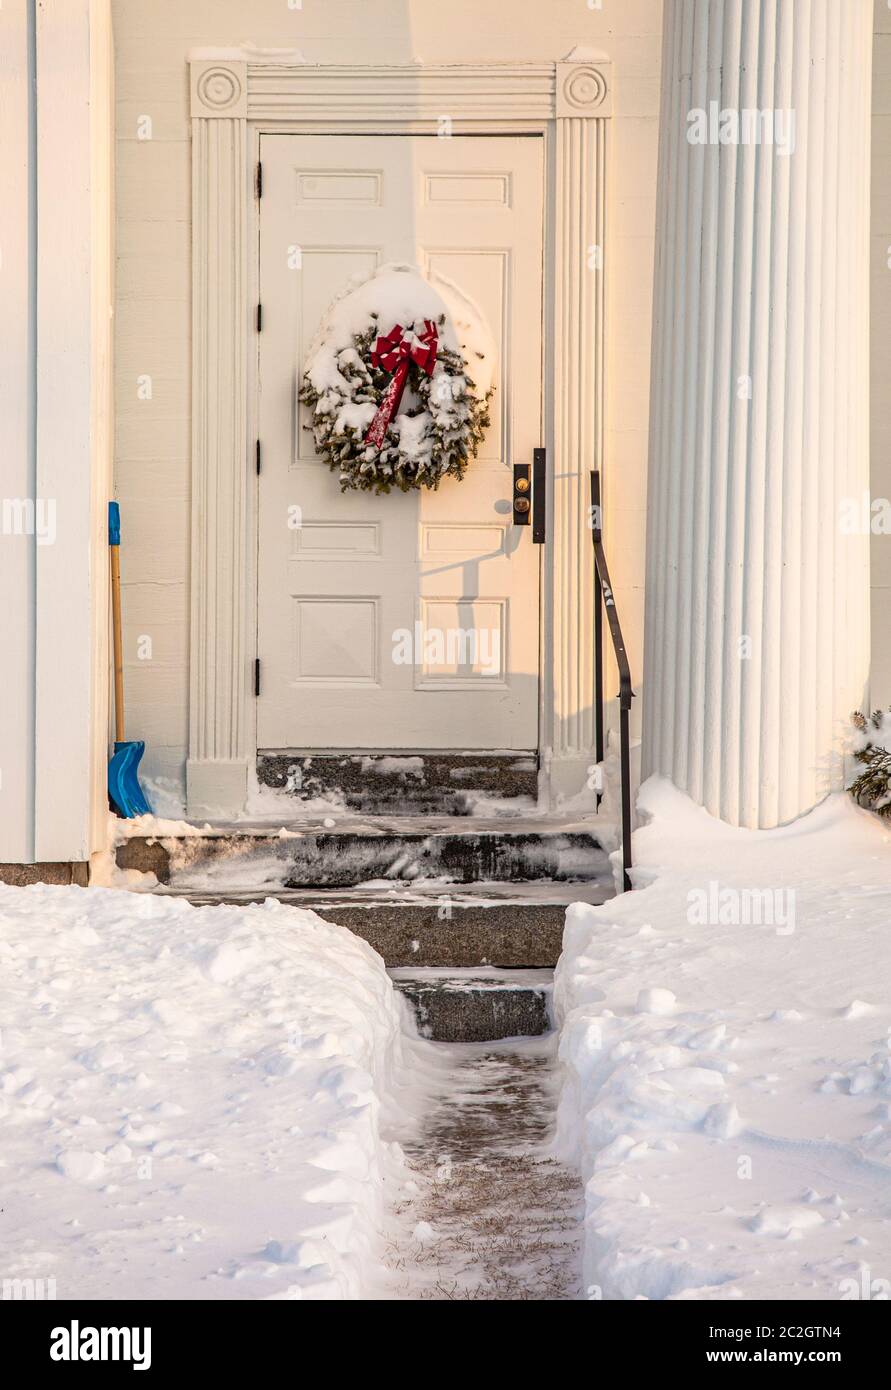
(339, 592)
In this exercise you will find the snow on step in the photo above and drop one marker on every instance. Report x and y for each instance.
(347, 857)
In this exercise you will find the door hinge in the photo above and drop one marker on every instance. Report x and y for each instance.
(259, 318)
(258, 458)
(257, 678)
(259, 180)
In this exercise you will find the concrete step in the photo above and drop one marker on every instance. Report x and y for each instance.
(478, 1005)
(381, 783)
(486, 925)
(349, 856)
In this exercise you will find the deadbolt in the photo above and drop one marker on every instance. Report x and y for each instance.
(522, 494)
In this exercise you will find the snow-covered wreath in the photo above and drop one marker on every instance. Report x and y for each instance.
(399, 381)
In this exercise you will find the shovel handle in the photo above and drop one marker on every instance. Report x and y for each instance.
(115, 554)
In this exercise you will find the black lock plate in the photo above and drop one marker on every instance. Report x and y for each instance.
(522, 499)
(540, 496)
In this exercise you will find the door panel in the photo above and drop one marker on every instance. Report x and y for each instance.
(408, 621)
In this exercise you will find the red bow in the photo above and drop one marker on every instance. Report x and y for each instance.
(395, 353)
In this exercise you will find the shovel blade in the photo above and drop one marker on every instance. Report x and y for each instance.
(124, 790)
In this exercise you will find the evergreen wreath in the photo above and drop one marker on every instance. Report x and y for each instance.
(444, 414)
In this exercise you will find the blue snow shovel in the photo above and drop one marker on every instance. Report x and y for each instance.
(126, 794)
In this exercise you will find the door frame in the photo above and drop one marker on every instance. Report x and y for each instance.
(234, 102)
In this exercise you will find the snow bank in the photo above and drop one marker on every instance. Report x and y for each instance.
(192, 1101)
(726, 1060)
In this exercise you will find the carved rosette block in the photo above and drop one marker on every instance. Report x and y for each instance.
(583, 89)
(219, 89)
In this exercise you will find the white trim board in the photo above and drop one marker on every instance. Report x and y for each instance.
(233, 102)
(18, 294)
(57, 247)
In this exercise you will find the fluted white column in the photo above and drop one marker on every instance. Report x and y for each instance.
(757, 628)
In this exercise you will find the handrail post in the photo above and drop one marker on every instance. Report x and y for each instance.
(599, 735)
(625, 746)
(604, 598)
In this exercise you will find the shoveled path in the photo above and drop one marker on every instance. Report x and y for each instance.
(495, 1217)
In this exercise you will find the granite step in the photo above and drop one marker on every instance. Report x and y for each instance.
(485, 925)
(382, 783)
(470, 1006)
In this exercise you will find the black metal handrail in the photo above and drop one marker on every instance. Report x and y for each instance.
(605, 599)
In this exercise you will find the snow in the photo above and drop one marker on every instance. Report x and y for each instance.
(584, 54)
(493, 977)
(246, 52)
(401, 767)
(268, 807)
(442, 419)
(726, 1059)
(205, 1102)
(373, 853)
(281, 807)
(401, 293)
(488, 1214)
(194, 1102)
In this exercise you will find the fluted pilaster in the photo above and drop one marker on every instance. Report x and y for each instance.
(218, 722)
(579, 401)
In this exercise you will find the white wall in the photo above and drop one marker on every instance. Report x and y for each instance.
(152, 40)
(55, 411)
